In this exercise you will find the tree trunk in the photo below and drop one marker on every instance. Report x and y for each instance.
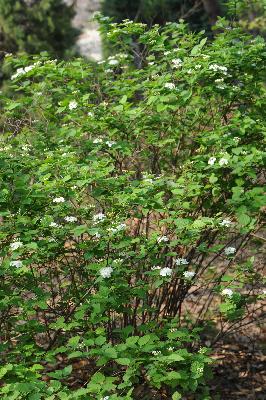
(212, 8)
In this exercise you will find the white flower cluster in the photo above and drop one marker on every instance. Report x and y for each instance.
(181, 261)
(226, 223)
(97, 140)
(117, 260)
(99, 217)
(156, 352)
(169, 85)
(227, 292)
(55, 225)
(72, 105)
(166, 271)
(220, 83)
(211, 160)
(162, 239)
(188, 274)
(23, 71)
(218, 68)
(110, 143)
(6, 148)
(16, 264)
(118, 228)
(70, 219)
(106, 272)
(155, 267)
(177, 62)
(58, 200)
(223, 161)
(229, 250)
(15, 245)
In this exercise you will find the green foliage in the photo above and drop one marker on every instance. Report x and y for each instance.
(250, 14)
(34, 26)
(156, 11)
(128, 198)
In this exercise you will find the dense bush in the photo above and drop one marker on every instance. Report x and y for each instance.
(156, 11)
(128, 198)
(36, 25)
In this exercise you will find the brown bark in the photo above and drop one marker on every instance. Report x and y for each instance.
(213, 9)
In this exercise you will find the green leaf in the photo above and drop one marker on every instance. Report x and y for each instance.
(144, 340)
(175, 357)
(213, 178)
(5, 369)
(173, 375)
(123, 361)
(176, 396)
(110, 352)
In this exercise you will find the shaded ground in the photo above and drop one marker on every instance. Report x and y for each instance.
(240, 372)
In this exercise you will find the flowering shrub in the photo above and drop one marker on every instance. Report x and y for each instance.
(128, 197)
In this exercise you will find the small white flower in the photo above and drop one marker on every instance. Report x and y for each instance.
(155, 267)
(58, 200)
(54, 225)
(117, 260)
(90, 114)
(211, 160)
(227, 292)
(19, 71)
(169, 85)
(226, 223)
(29, 68)
(166, 53)
(99, 217)
(177, 62)
(170, 348)
(198, 66)
(181, 261)
(151, 63)
(162, 239)
(121, 227)
(16, 245)
(106, 272)
(188, 274)
(223, 161)
(219, 80)
(16, 264)
(110, 143)
(113, 62)
(73, 104)
(218, 68)
(166, 271)
(70, 219)
(156, 352)
(229, 250)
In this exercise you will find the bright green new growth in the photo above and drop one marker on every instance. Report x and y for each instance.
(128, 197)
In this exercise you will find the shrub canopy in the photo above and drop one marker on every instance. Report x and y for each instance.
(128, 198)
